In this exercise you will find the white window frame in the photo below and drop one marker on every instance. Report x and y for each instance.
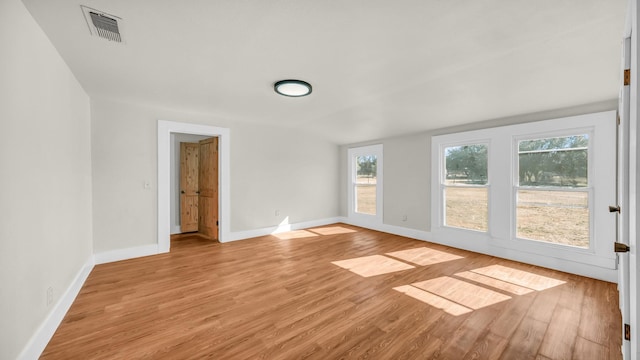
(588, 189)
(353, 153)
(444, 186)
(598, 260)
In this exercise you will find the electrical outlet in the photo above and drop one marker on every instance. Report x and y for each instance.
(404, 218)
(277, 212)
(49, 296)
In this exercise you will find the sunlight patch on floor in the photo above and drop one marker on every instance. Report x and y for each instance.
(332, 230)
(461, 292)
(373, 265)
(495, 283)
(518, 277)
(424, 256)
(436, 301)
(470, 290)
(296, 234)
(458, 294)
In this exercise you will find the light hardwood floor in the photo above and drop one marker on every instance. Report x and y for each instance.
(335, 292)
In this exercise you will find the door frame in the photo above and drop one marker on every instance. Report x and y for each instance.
(623, 194)
(165, 129)
(632, 350)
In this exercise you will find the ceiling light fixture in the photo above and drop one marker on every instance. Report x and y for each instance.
(292, 88)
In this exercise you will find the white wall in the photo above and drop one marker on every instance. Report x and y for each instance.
(271, 169)
(174, 167)
(403, 172)
(407, 171)
(45, 184)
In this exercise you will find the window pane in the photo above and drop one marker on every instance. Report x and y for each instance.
(366, 171)
(559, 161)
(560, 217)
(466, 207)
(366, 199)
(466, 165)
(366, 167)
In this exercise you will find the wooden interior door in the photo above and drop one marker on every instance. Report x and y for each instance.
(208, 181)
(189, 164)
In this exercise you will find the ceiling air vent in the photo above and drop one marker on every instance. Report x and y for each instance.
(102, 24)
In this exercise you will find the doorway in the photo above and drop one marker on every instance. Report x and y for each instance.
(194, 175)
(165, 131)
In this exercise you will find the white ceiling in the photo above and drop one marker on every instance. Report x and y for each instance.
(378, 67)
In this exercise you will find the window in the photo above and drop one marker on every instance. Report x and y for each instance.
(553, 190)
(537, 192)
(465, 187)
(365, 183)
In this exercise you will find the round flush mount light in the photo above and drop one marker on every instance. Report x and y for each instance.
(292, 88)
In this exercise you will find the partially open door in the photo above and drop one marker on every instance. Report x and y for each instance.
(189, 159)
(208, 181)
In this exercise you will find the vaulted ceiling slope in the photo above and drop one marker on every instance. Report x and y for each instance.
(378, 68)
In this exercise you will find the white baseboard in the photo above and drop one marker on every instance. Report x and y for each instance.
(41, 337)
(125, 254)
(390, 229)
(241, 235)
(152, 249)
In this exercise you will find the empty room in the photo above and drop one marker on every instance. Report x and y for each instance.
(325, 180)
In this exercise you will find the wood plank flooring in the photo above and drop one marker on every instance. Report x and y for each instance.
(335, 292)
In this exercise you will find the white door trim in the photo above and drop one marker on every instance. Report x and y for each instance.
(633, 196)
(165, 129)
(623, 195)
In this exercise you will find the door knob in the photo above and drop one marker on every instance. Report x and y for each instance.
(620, 247)
(614, 209)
